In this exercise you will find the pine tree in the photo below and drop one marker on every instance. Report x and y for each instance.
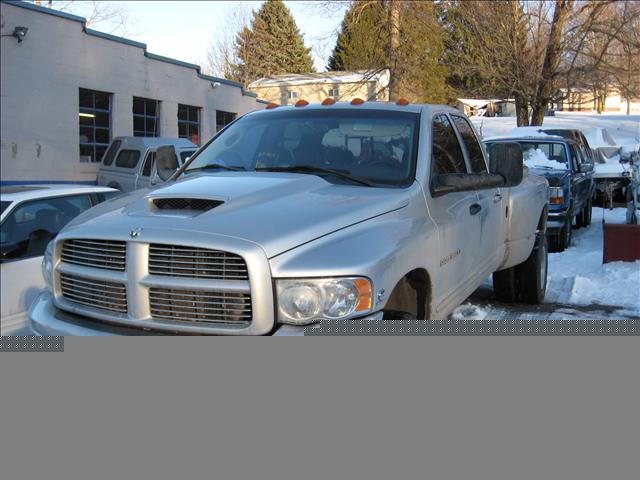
(272, 45)
(410, 44)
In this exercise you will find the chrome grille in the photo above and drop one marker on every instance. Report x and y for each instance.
(180, 261)
(196, 306)
(99, 294)
(105, 254)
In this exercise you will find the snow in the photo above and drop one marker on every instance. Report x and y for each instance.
(624, 129)
(600, 137)
(537, 158)
(615, 283)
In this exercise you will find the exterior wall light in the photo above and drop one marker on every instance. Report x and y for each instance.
(20, 33)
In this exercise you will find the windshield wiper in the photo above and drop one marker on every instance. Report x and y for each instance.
(315, 170)
(213, 166)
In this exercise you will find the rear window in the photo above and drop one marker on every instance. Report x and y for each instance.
(185, 155)
(3, 206)
(111, 153)
(128, 158)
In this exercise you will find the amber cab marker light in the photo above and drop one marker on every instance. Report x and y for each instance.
(272, 105)
(328, 101)
(302, 103)
(357, 101)
(402, 102)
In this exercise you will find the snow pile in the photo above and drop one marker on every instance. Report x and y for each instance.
(469, 311)
(615, 283)
(600, 137)
(536, 158)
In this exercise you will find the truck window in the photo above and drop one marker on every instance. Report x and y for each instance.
(474, 149)
(128, 158)
(148, 164)
(111, 153)
(446, 153)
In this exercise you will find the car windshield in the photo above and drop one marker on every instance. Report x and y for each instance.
(366, 147)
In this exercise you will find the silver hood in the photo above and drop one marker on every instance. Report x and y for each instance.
(277, 211)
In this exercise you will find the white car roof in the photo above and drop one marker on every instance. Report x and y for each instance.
(18, 193)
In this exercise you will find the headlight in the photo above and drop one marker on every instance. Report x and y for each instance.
(556, 195)
(302, 301)
(47, 264)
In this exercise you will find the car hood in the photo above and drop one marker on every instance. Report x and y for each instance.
(556, 178)
(277, 211)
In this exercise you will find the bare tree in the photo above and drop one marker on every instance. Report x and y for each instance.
(222, 56)
(111, 17)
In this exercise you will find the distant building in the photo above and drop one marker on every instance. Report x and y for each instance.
(583, 100)
(315, 87)
(67, 90)
(473, 107)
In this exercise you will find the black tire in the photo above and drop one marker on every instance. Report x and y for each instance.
(586, 213)
(580, 219)
(564, 237)
(397, 315)
(531, 275)
(504, 285)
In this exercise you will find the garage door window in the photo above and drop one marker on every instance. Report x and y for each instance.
(189, 123)
(146, 117)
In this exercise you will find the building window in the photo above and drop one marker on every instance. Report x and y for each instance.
(223, 119)
(334, 92)
(95, 124)
(189, 123)
(146, 117)
(293, 95)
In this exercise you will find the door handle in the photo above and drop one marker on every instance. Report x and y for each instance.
(475, 208)
(497, 197)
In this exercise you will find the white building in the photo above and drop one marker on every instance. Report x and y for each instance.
(67, 90)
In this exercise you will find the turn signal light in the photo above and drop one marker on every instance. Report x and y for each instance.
(301, 103)
(272, 105)
(329, 101)
(357, 101)
(402, 102)
(556, 200)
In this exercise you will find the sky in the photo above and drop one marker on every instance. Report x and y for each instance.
(185, 30)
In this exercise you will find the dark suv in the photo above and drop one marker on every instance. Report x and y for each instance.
(568, 168)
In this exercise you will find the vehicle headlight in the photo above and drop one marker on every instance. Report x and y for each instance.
(556, 195)
(47, 264)
(302, 301)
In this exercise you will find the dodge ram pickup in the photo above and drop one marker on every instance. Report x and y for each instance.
(298, 213)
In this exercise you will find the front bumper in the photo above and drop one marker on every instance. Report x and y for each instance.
(45, 319)
(556, 220)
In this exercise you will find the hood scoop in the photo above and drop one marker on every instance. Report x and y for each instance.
(193, 204)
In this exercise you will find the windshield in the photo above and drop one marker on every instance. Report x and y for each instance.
(376, 147)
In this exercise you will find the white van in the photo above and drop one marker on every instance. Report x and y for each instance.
(128, 162)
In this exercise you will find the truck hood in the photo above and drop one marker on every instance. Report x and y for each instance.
(278, 211)
(556, 178)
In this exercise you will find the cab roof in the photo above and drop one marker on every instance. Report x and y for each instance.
(14, 193)
(385, 106)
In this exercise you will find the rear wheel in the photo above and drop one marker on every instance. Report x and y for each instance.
(526, 282)
(531, 275)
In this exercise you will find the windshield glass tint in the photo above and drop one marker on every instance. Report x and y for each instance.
(378, 146)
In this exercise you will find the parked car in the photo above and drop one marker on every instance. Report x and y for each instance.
(31, 217)
(122, 168)
(293, 214)
(569, 170)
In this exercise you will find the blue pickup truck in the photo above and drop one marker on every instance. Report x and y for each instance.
(568, 168)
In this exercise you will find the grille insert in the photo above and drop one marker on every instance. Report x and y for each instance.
(99, 294)
(195, 306)
(179, 261)
(202, 204)
(104, 254)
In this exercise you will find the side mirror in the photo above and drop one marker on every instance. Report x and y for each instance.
(506, 160)
(586, 167)
(166, 162)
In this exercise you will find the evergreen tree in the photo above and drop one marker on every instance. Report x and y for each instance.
(410, 45)
(272, 45)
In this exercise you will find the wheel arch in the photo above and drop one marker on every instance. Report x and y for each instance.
(412, 294)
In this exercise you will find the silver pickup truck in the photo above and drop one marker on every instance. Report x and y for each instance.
(294, 214)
